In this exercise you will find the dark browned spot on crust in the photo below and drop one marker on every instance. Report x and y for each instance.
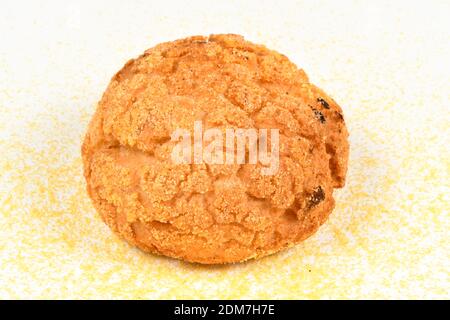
(319, 115)
(316, 197)
(323, 103)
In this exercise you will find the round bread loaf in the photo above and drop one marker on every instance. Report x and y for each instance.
(211, 211)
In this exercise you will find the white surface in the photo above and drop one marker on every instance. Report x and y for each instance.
(385, 62)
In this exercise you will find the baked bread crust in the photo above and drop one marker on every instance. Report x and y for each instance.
(213, 213)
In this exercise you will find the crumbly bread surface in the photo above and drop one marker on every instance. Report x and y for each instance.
(213, 213)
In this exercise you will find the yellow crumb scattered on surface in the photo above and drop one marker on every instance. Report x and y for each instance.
(388, 235)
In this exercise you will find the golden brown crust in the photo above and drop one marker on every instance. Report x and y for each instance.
(213, 213)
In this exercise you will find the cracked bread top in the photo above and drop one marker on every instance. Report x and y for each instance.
(213, 213)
